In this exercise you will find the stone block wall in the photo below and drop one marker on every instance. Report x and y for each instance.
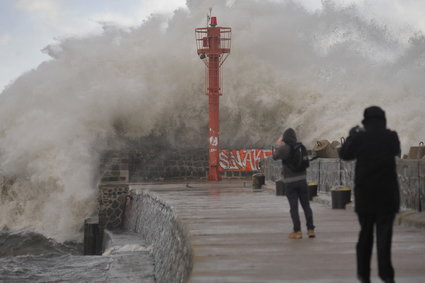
(112, 203)
(160, 227)
(157, 165)
(235, 174)
(160, 165)
(114, 167)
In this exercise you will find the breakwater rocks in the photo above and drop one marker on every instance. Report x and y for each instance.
(161, 229)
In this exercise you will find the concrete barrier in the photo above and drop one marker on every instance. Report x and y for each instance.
(157, 223)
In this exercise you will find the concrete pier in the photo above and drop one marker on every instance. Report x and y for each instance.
(238, 235)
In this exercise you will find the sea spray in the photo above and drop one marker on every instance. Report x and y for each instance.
(288, 67)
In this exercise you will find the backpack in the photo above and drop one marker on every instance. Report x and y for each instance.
(298, 158)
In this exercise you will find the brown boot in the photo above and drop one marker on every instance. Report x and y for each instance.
(311, 234)
(295, 235)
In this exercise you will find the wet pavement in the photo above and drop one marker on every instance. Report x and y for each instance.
(239, 235)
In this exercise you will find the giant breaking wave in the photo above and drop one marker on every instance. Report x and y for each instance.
(315, 72)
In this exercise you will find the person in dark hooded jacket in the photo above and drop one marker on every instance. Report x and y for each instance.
(296, 188)
(376, 190)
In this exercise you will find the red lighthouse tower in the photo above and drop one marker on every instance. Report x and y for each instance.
(213, 46)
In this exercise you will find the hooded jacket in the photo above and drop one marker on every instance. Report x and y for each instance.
(375, 148)
(283, 152)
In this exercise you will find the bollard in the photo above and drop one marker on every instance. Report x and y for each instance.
(280, 188)
(312, 190)
(258, 180)
(262, 179)
(340, 197)
(93, 236)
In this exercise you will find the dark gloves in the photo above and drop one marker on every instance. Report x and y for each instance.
(349, 149)
(355, 130)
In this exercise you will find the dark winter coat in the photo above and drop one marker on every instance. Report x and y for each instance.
(283, 152)
(375, 148)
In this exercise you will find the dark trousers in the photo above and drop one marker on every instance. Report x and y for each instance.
(298, 191)
(384, 232)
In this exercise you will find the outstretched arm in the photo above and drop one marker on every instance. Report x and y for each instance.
(397, 149)
(350, 149)
(280, 151)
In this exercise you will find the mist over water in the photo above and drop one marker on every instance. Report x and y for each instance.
(315, 72)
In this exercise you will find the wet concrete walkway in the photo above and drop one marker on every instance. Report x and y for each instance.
(241, 236)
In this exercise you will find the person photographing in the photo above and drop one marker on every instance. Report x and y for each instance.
(376, 190)
(294, 164)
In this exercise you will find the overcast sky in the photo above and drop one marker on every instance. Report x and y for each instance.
(27, 26)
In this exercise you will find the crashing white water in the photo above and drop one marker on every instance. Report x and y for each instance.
(313, 71)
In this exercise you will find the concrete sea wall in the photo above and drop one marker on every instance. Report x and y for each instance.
(161, 229)
(155, 165)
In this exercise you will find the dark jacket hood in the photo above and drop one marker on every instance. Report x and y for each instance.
(374, 118)
(289, 136)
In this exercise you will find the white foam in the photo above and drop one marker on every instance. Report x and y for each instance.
(126, 248)
(315, 72)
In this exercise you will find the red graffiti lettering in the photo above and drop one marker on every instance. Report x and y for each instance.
(242, 159)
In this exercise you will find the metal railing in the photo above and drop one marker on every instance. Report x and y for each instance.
(332, 172)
